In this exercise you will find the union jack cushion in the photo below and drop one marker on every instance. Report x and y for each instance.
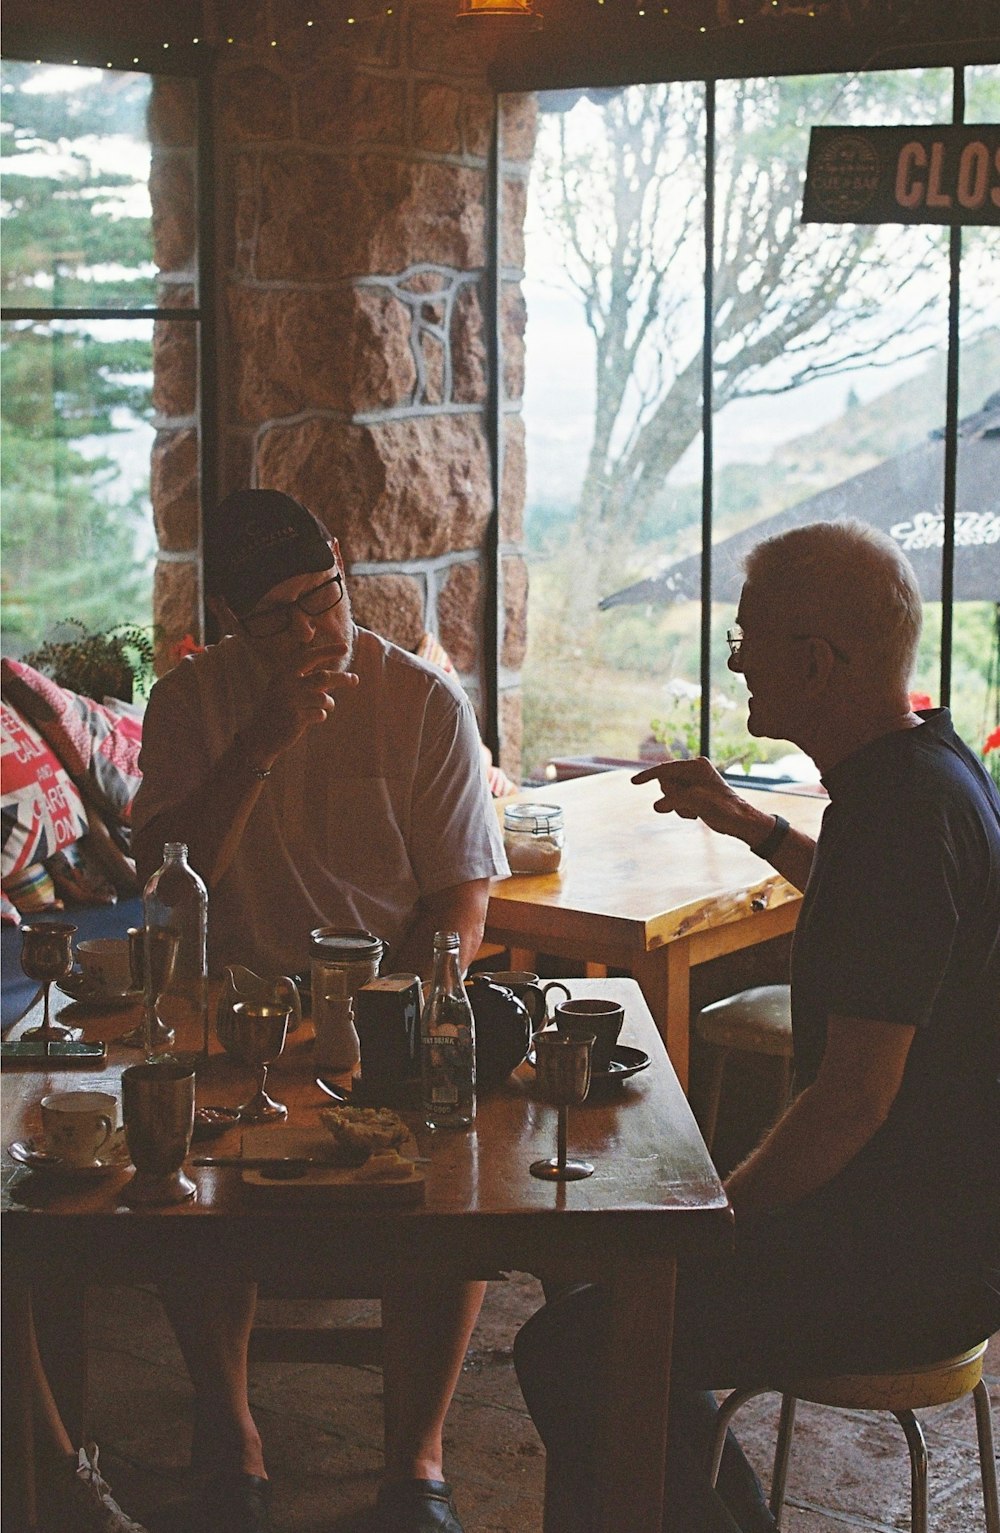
(41, 811)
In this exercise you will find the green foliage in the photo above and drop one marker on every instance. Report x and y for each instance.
(118, 663)
(730, 745)
(74, 535)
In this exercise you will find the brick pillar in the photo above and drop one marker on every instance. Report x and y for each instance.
(352, 239)
(174, 489)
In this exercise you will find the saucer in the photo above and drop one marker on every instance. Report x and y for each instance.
(32, 1153)
(88, 992)
(209, 1122)
(625, 1062)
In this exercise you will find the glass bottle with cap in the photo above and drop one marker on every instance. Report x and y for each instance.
(448, 1042)
(341, 961)
(533, 836)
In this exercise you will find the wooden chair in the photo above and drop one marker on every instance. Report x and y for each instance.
(755, 1021)
(902, 1393)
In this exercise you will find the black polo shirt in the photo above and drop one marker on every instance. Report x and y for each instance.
(901, 923)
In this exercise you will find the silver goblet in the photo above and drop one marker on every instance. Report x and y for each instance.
(47, 954)
(152, 955)
(158, 1110)
(562, 1077)
(254, 1033)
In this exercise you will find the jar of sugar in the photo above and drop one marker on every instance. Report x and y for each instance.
(533, 837)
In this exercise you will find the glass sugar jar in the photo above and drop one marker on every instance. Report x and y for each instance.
(533, 836)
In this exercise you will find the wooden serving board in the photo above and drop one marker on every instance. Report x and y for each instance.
(340, 1184)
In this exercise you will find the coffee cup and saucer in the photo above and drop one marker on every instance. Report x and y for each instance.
(104, 978)
(80, 1136)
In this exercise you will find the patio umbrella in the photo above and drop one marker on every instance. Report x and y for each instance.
(902, 496)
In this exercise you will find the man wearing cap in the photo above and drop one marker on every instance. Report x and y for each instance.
(320, 776)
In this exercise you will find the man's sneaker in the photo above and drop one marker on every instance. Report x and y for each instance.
(89, 1506)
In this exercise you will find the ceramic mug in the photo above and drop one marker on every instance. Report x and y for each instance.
(590, 1016)
(78, 1124)
(106, 964)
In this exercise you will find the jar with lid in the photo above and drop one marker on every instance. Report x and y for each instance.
(533, 837)
(341, 961)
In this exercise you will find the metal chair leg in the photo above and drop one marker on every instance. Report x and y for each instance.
(987, 1460)
(727, 1410)
(918, 1470)
(782, 1453)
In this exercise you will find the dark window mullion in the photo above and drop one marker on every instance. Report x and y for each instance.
(951, 424)
(706, 423)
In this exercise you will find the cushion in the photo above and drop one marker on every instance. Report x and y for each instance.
(9, 914)
(33, 890)
(40, 808)
(98, 744)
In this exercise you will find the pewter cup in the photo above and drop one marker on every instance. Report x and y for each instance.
(562, 1077)
(158, 1109)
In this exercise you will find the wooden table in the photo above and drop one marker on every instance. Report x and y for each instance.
(649, 893)
(654, 1193)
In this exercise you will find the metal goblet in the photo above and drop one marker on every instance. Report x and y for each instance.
(158, 1111)
(47, 954)
(562, 1077)
(255, 1034)
(152, 955)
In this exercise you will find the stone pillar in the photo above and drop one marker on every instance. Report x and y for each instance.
(174, 478)
(353, 236)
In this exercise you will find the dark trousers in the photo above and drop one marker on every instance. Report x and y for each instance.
(802, 1290)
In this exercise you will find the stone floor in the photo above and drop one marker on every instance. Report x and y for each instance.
(322, 1428)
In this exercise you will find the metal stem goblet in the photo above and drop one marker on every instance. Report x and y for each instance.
(562, 1077)
(152, 955)
(47, 954)
(255, 1034)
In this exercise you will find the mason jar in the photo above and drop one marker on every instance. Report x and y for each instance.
(341, 961)
(533, 836)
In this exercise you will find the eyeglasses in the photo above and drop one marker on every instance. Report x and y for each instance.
(734, 638)
(276, 618)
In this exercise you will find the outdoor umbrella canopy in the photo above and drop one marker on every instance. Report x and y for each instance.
(902, 496)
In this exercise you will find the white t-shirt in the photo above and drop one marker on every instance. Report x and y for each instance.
(383, 803)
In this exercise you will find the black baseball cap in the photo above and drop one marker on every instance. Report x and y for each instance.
(255, 540)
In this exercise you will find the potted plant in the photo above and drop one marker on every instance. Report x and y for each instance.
(116, 663)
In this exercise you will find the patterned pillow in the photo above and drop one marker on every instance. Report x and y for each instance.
(99, 745)
(41, 811)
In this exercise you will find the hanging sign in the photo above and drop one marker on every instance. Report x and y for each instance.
(947, 175)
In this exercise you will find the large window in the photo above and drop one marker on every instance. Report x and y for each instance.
(828, 349)
(96, 288)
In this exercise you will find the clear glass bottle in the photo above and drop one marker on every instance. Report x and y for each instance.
(175, 912)
(448, 1042)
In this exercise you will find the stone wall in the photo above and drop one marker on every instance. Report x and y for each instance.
(353, 231)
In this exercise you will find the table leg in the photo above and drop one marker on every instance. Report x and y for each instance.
(633, 1441)
(19, 1488)
(665, 977)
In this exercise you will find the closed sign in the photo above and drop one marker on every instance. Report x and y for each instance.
(947, 175)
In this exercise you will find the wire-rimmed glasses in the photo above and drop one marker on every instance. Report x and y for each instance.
(274, 619)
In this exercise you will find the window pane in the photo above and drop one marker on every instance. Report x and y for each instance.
(78, 229)
(829, 396)
(77, 533)
(975, 679)
(613, 284)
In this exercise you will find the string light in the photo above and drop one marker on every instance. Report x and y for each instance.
(637, 9)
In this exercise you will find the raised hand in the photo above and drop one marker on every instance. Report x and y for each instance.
(694, 790)
(300, 694)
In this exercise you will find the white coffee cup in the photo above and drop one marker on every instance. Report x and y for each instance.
(77, 1124)
(106, 963)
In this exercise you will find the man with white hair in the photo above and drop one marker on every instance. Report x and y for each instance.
(867, 1228)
